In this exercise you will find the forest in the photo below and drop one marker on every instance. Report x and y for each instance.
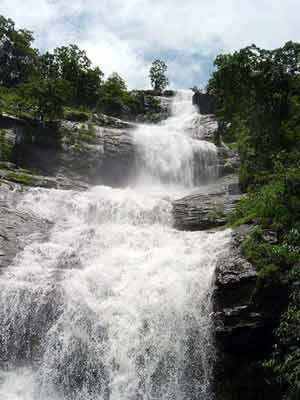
(48, 86)
(258, 107)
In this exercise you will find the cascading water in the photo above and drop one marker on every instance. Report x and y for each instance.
(114, 304)
(168, 153)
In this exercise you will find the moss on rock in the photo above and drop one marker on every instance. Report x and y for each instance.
(6, 146)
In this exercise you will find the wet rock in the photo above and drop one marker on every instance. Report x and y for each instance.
(9, 172)
(235, 282)
(119, 157)
(205, 103)
(17, 229)
(152, 108)
(110, 122)
(234, 188)
(200, 211)
(94, 151)
(205, 127)
(244, 320)
(229, 161)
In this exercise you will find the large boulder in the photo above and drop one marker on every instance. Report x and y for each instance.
(203, 211)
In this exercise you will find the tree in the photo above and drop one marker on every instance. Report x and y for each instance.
(74, 66)
(159, 80)
(113, 95)
(47, 97)
(258, 101)
(17, 57)
(258, 97)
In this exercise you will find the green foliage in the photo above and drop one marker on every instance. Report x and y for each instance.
(6, 146)
(274, 248)
(159, 80)
(258, 104)
(140, 103)
(11, 102)
(258, 99)
(17, 57)
(20, 177)
(264, 206)
(72, 65)
(47, 97)
(285, 361)
(113, 96)
(46, 85)
(79, 114)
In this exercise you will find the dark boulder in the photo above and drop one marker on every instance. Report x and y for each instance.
(206, 103)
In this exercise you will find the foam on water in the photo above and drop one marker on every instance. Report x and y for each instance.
(114, 304)
(167, 152)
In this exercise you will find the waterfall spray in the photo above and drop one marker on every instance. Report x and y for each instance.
(115, 303)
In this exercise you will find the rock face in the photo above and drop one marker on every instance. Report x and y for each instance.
(200, 211)
(205, 127)
(205, 103)
(10, 172)
(153, 108)
(244, 324)
(203, 211)
(91, 148)
(229, 160)
(87, 151)
(244, 313)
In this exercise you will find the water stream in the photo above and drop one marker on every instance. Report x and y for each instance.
(115, 303)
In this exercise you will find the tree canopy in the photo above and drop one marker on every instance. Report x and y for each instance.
(159, 80)
(17, 57)
(258, 107)
(45, 84)
(258, 97)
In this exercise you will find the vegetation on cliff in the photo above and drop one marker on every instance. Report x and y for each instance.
(46, 86)
(258, 107)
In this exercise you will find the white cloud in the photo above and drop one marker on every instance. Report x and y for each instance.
(123, 35)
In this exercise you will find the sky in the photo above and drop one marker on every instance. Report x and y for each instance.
(127, 35)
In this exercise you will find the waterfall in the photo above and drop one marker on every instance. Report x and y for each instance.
(168, 152)
(115, 303)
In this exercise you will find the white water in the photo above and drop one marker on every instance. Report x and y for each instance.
(167, 152)
(114, 304)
